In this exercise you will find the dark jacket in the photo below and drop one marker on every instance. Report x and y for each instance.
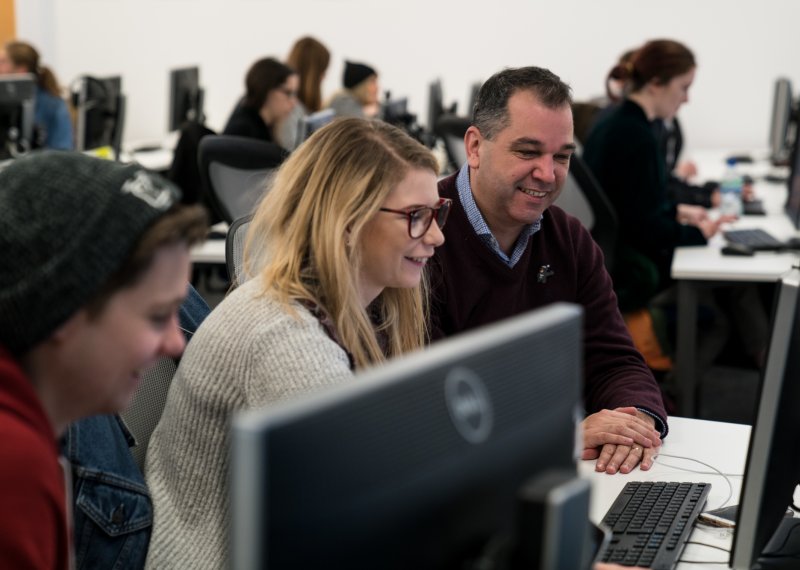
(624, 155)
(246, 122)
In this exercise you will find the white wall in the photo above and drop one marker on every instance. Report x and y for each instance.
(741, 47)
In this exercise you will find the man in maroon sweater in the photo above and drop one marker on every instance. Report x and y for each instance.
(503, 255)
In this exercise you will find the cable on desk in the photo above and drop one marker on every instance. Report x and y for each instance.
(716, 471)
(684, 561)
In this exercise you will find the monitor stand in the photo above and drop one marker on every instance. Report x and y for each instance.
(783, 550)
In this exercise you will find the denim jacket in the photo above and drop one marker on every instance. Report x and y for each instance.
(112, 511)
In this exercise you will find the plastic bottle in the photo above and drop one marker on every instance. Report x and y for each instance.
(731, 188)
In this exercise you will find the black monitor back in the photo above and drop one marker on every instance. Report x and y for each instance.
(773, 458)
(101, 113)
(185, 97)
(17, 102)
(792, 206)
(415, 464)
(783, 127)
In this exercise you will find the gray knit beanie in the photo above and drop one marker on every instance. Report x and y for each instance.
(68, 222)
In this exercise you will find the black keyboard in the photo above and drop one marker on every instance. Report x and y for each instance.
(651, 522)
(756, 239)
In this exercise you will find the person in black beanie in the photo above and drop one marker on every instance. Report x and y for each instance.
(359, 98)
(95, 258)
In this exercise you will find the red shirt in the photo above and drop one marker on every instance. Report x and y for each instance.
(33, 515)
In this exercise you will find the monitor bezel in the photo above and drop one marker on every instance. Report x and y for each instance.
(758, 517)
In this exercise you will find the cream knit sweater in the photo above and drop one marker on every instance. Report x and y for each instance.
(248, 353)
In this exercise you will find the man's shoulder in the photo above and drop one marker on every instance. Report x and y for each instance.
(447, 186)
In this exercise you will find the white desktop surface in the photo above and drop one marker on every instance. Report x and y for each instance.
(722, 445)
(210, 251)
(692, 266)
(708, 263)
(159, 159)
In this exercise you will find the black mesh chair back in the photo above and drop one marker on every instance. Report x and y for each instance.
(236, 172)
(451, 129)
(147, 405)
(583, 198)
(234, 250)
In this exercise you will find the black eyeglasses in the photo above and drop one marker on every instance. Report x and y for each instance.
(420, 219)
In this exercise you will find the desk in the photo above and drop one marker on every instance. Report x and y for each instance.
(695, 266)
(698, 439)
(158, 157)
(211, 251)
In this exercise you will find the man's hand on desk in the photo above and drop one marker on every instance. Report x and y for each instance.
(620, 440)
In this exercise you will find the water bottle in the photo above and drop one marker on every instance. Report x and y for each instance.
(731, 189)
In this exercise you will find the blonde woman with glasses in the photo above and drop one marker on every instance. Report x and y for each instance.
(337, 251)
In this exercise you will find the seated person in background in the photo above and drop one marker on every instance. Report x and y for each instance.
(624, 154)
(338, 249)
(310, 59)
(681, 190)
(271, 94)
(509, 250)
(359, 98)
(669, 135)
(51, 117)
(626, 157)
(78, 322)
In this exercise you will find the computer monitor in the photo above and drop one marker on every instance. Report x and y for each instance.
(314, 122)
(17, 102)
(414, 464)
(101, 113)
(435, 103)
(792, 206)
(773, 458)
(395, 111)
(782, 127)
(185, 97)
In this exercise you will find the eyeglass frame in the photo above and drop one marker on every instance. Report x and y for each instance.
(290, 93)
(434, 215)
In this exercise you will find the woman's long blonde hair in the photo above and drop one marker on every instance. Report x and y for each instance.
(305, 235)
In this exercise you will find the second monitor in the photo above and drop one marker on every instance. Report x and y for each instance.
(185, 97)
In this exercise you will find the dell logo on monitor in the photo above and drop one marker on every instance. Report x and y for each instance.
(469, 405)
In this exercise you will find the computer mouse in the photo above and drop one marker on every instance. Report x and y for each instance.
(737, 249)
(793, 243)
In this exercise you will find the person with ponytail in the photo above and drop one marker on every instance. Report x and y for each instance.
(626, 156)
(51, 117)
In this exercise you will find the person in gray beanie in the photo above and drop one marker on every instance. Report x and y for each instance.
(95, 258)
(359, 98)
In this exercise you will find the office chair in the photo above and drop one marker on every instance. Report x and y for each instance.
(451, 129)
(147, 405)
(583, 198)
(142, 416)
(236, 172)
(584, 116)
(234, 250)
